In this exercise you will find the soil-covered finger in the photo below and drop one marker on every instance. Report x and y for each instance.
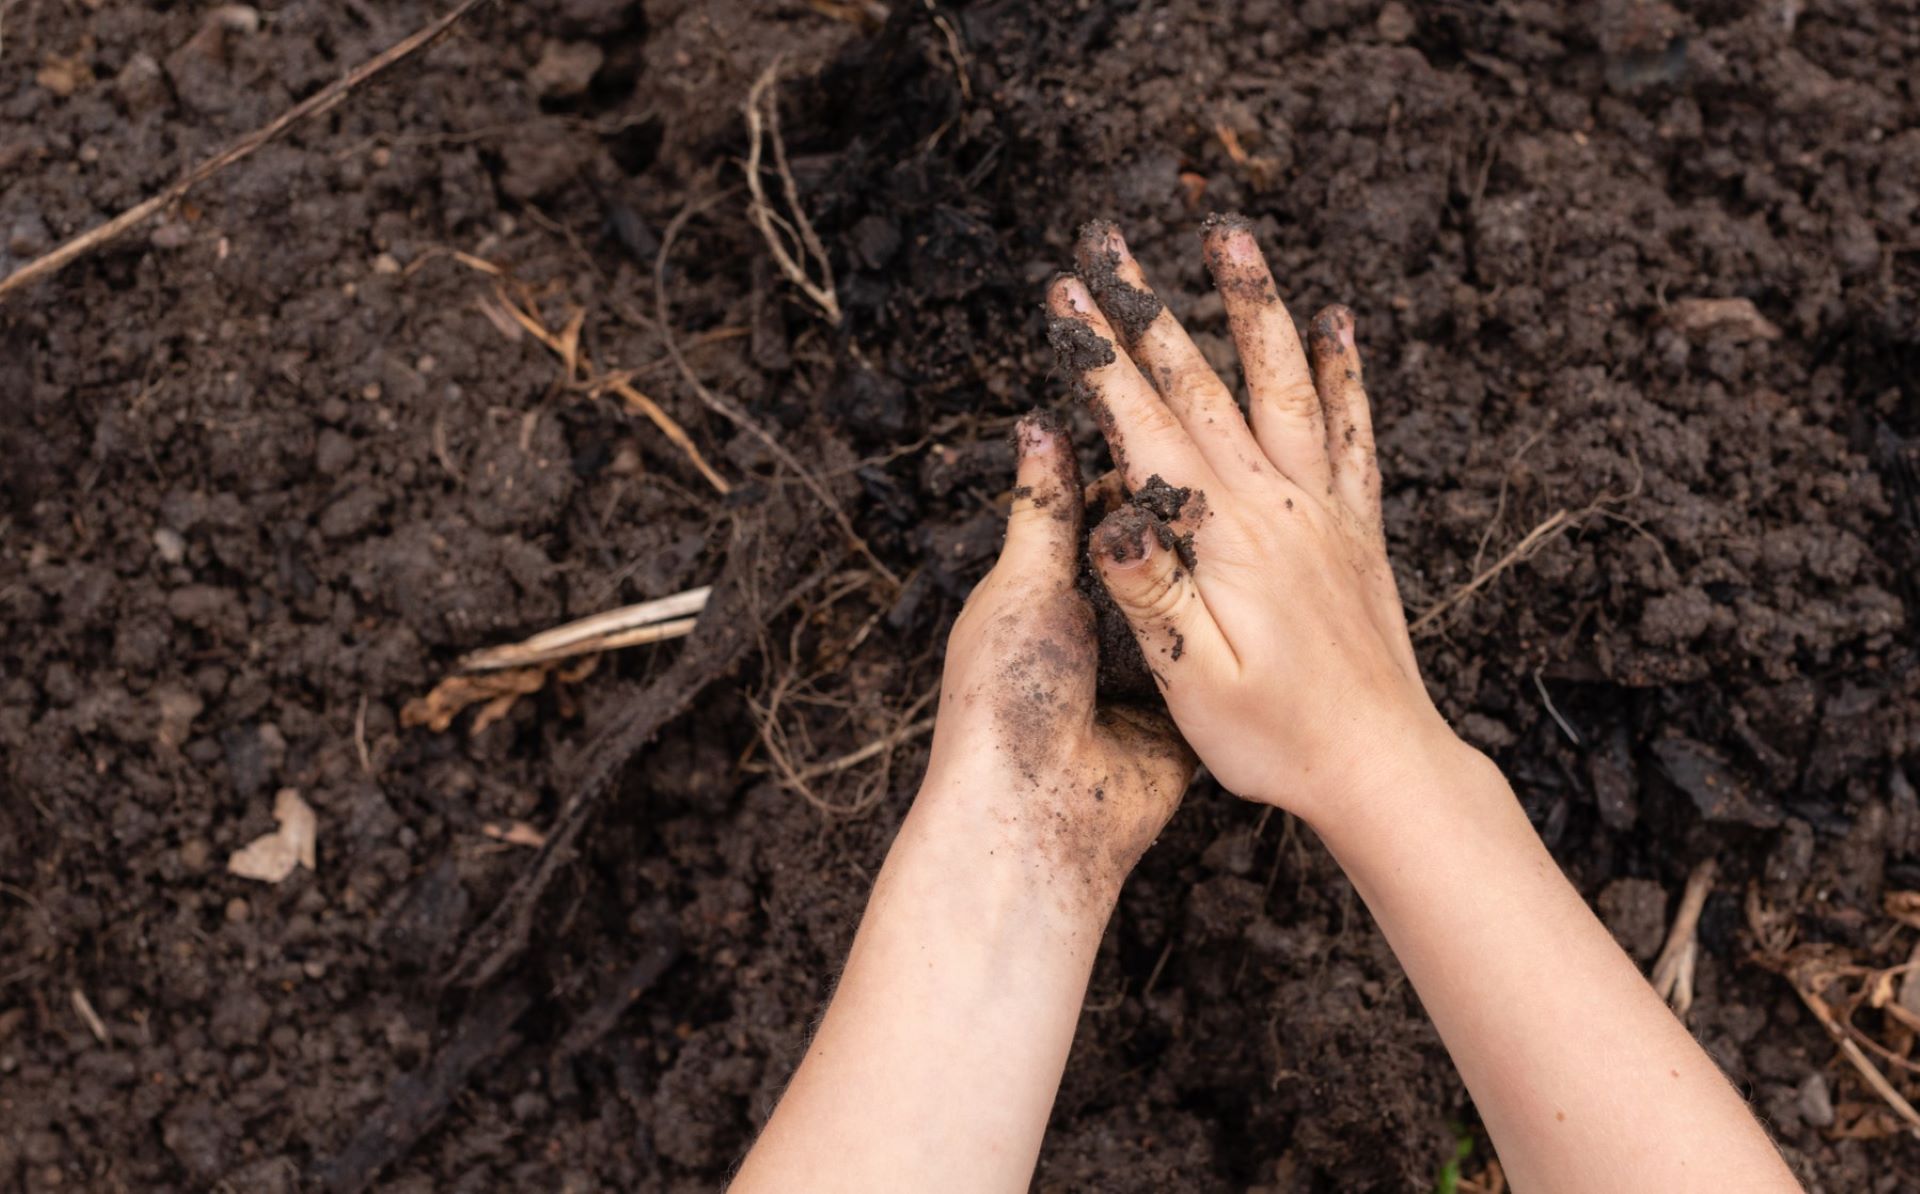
(1103, 263)
(1142, 434)
(1166, 355)
(1043, 526)
(1349, 419)
(1281, 402)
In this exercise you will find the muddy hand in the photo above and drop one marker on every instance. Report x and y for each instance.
(1282, 651)
(1087, 787)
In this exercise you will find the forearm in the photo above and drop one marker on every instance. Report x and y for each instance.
(1584, 1078)
(938, 1059)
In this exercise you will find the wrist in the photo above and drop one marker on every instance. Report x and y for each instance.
(1415, 801)
(979, 831)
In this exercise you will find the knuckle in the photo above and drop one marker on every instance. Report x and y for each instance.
(1160, 595)
(1297, 398)
(1191, 376)
(1154, 419)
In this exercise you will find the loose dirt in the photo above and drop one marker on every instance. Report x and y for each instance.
(276, 460)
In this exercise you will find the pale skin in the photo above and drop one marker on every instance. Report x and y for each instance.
(1295, 682)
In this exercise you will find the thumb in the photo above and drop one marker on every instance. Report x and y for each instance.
(1043, 529)
(1133, 552)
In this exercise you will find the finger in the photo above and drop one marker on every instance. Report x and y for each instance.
(1343, 402)
(1281, 399)
(1043, 529)
(1141, 569)
(1164, 352)
(1141, 432)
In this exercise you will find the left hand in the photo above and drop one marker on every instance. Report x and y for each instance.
(1083, 788)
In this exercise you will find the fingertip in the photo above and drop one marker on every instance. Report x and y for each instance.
(1330, 345)
(1098, 238)
(1125, 539)
(1068, 296)
(1227, 239)
(1039, 433)
(1332, 330)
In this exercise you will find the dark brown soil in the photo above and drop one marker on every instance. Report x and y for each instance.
(273, 462)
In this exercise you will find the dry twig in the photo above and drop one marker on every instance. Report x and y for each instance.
(505, 313)
(326, 98)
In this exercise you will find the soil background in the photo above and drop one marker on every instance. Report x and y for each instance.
(275, 461)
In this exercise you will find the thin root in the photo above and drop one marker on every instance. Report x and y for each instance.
(798, 253)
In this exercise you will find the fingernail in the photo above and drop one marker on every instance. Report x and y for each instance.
(1036, 433)
(1125, 538)
(1101, 234)
(1076, 294)
(1221, 225)
(1332, 327)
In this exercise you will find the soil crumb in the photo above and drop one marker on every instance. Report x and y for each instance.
(1166, 503)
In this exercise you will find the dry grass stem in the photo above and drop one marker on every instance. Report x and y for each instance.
(1530, 543)
(644, 622)
(83, 1007)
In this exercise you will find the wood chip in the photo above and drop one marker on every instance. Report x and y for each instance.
(1736, 318)
(272, 857)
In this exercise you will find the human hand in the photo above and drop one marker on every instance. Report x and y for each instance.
(1282, 652)
(1084, 787)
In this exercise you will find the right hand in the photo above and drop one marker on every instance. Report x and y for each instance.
(1283, 652)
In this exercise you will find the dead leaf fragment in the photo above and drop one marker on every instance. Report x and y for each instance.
(1736, 318)
(272, 857)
